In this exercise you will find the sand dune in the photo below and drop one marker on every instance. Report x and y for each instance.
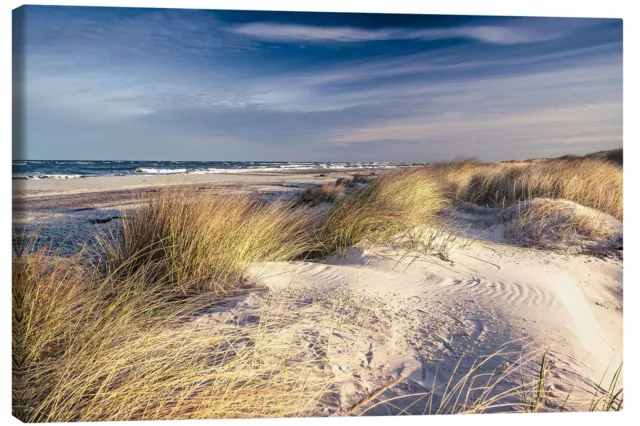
(385, 324)
(489, 294)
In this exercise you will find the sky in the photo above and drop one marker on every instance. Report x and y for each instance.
(169, 84)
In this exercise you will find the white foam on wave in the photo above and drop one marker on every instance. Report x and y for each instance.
(249, 170)
(22, 176)
(153, 171)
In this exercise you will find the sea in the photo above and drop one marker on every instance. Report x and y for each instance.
(71, 169)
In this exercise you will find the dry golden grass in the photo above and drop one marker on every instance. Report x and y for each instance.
(46, 294)
(591, 182)
(545, 222)
(195, 242)
(613, 155)
(85, 353)
(394, 203)
(327, 193)
(520, 385)
(114, 339)
(111, 339)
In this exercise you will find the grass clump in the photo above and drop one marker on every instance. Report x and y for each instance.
(358, 178)
(192, 242)
(84, 353)
(346, 182)
(545, 223)
(393, 203)
(591, 182)
(327, 193)
(47, 294)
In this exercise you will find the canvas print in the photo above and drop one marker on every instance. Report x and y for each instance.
(246, 214)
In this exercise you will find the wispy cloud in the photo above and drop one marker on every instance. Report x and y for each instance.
(155, 33)
(515, 32)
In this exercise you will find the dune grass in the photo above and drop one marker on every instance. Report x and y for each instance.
(613, 155)
(47, 295)
(520, 385)
(327, 193)
(591, 182)
(195, 242)
(82, 352)
(391, 204)
(186, 241)
(546, 222)
(114, 339)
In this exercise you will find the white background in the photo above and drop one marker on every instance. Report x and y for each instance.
(603, 9)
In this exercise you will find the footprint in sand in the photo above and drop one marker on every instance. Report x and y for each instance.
(477, 328)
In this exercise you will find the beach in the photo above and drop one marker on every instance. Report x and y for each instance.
(43, 187)
(58, 208)
(244, 214)
(435, 316)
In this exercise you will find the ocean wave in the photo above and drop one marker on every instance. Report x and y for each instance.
(153, 171)
(298, 166)
(43, 176)
(218, 170)
(28, 169)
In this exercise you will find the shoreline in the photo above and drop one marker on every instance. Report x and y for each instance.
(31, 197)
(28, 188)
(69, 209)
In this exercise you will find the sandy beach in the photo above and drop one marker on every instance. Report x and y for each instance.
(435, 317)
(48, 187)
(67, 211)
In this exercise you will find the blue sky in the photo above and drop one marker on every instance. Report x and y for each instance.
(170, 84)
